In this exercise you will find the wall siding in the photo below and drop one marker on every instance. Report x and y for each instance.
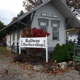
(50, 9)
(47, 9)
(8, 40)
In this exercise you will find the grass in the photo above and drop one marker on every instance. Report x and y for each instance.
(3, 50)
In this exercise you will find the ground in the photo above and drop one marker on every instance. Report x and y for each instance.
(14, 71)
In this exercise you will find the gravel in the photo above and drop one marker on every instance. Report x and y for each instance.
(15, 72)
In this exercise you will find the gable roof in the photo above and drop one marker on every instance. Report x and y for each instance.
(60, 5)
(66, 12)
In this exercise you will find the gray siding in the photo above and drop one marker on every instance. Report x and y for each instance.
(50, 9)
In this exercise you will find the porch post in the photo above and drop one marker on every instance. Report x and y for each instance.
(46, 50)
(10, 39)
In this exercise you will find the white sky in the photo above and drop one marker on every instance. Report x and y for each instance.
(9, 9)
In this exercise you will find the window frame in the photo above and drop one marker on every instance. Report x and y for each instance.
(58, 22)
(44, 21)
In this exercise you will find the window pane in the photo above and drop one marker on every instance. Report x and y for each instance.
(55, 35)
(55, 29)
(43, 23)
(43, 26)
(55, 24)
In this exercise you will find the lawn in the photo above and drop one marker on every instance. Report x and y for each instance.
(3, 50)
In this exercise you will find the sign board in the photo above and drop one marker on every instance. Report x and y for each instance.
(35, 42)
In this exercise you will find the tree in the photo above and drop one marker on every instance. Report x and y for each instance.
(74, 5)
(18, 15)
(14, 19)
(34, 32)
(21, 13)
(2, 34)
(30, 4)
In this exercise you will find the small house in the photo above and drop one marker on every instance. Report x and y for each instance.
(53, 16)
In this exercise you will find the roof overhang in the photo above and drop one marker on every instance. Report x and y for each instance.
(60, 5)
(66, 12)
(26, 14)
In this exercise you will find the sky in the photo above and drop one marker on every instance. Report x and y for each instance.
(9, 9)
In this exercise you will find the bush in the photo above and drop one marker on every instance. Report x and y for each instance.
(57, 47)
(61, 53)
(70, 49)
(66, 51)
(59, 56)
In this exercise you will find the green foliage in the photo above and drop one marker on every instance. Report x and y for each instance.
(66, 51)
(2, 34)
(59, 56)
(61, 53)
(57, 47)
(1, 25)
(64, 47)
(70, 49)
(20, 14)
(3, 50)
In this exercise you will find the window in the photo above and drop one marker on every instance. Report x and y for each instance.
(43, 26)
(55, 27)
(43, 23)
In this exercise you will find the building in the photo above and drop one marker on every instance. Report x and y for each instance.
(53, 16)
(72, 34)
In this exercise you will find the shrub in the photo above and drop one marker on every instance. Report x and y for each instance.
(59, 56)
(61, 53)
(66, 51)
(70, 49)
(34, 32)
(57, 47)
